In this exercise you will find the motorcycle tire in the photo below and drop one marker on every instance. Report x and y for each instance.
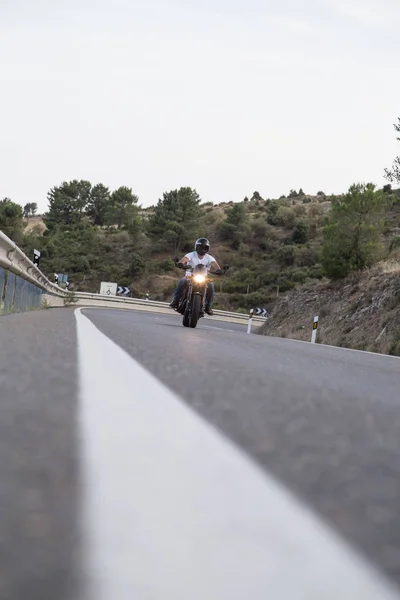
(185, 320)
(195, 311)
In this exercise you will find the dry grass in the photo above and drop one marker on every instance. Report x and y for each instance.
(391, 265)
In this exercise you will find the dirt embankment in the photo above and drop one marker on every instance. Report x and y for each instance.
(361, 312)
(35, 224)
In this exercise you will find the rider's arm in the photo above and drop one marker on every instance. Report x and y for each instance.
(183, 261)
(214, 266)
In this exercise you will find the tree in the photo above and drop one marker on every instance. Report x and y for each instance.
(301, 193)
(300, 233)
(256, 196)
(98, 204)
(30, 209)
(292, 194)
(393, 174)
(11, 219)
(353, 232)
(67, 203)
(123, 207)
(236, 225)
(176, 219)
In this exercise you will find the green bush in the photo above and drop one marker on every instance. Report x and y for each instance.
(285, 217)
(299, 276)
(285, 256)
(316, 272)
(256, 300)
(300, 233)
(300, 210)
(306, 256)
(137, 264)
(286, 285)
(166, 265)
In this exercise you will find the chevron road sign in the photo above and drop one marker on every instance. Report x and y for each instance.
(123, 291)
(261, 312)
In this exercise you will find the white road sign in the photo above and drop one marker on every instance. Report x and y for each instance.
(108, 289)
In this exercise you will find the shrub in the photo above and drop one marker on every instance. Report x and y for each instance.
(394, 243)
(299, 210)
(256, 300)
(300, 233)
(285, 285)
(285, 256)
(285, 217)
(137, 264)
(306, 256)
(299, 276)
(166, 265)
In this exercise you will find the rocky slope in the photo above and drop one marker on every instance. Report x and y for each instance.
(361, 312)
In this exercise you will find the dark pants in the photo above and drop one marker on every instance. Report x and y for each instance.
(182, 286)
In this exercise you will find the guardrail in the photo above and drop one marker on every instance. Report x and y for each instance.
(13, 259)
(156, 304)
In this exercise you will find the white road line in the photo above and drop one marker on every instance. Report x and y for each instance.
(338, 348)
(173, 511)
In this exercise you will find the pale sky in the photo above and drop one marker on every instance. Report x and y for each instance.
(226, 96)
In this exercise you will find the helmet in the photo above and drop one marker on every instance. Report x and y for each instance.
(202, 246)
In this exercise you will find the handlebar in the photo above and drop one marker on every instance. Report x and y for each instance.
(188, 267)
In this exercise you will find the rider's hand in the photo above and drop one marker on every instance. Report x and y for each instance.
(180, 265)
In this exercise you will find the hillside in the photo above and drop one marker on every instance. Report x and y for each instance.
(261, 262)
(361, 312)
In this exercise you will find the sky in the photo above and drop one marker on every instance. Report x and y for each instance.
(225, 96)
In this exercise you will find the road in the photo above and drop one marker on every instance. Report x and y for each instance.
(141, 459)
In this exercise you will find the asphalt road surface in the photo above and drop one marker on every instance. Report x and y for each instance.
(110, 488)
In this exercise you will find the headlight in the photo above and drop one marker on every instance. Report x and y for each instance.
(199, 278)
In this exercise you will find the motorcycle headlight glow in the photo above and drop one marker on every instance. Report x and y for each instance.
(199, 278)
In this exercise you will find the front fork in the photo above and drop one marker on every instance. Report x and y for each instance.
(190, 293)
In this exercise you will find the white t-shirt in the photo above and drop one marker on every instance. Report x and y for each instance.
(195, 259)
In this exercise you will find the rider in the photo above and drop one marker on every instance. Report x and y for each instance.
(199, 256)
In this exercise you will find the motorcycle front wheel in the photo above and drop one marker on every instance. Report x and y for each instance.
(194, 314)
(185, 320)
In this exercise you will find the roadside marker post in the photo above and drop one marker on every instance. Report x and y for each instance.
(250, 320)
(314, 331)
(36, 258)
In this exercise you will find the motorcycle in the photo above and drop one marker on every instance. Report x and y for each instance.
(193, 301)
